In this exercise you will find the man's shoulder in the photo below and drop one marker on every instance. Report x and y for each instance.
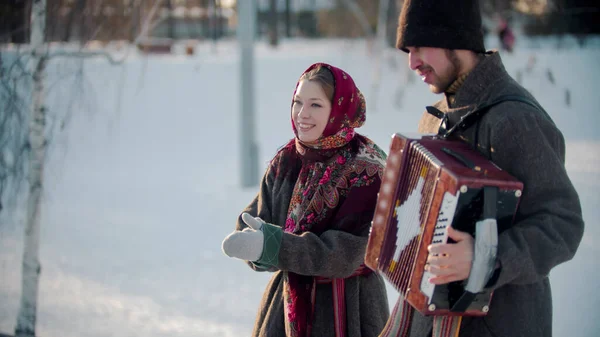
(497, 84)
(508, 100)
(518, 114)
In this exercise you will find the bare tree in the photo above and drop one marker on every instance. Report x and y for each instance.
(24, 135)
(37, 150)
(13, 143)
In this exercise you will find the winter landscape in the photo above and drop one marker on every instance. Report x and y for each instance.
(143, 183)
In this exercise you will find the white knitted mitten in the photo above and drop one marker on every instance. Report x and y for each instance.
(248, 243)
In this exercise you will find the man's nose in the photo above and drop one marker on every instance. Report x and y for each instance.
(414, 61)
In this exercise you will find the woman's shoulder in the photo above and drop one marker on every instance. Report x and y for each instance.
(368, 161)
(370, 152)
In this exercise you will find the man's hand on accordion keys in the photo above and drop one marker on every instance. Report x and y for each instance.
(451, 262)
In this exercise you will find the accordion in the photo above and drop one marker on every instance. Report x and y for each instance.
(428, 185)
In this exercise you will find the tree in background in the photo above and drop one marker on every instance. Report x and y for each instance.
(26, 123)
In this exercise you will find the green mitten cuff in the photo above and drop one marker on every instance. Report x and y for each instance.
(271, 245)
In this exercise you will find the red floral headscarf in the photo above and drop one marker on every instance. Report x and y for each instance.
(348, 110)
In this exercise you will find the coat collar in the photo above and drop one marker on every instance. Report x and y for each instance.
(475, 89)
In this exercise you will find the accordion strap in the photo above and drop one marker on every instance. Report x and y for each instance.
(398, 324)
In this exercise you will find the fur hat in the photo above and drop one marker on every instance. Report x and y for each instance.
(450, 24)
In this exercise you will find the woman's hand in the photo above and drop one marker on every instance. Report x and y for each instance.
(248, 243)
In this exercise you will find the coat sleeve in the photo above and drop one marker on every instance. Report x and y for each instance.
(549, 225)
(339, 251)
(260, 206)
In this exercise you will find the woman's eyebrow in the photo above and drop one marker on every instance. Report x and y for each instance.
(310, 99)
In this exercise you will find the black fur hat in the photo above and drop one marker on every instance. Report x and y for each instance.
(447, 24)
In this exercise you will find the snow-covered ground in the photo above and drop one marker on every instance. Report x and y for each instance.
(143, 184)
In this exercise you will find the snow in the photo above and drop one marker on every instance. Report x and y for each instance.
(143, 183)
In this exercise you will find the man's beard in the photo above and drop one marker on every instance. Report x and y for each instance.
(445, 81)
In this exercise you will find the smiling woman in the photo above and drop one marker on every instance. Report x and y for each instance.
(310, 221)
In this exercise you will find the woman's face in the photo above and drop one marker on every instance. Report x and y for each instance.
(310, 111)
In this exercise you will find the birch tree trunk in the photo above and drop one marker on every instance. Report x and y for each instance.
(26, 318)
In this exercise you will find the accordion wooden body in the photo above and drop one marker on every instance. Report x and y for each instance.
(428, 185)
